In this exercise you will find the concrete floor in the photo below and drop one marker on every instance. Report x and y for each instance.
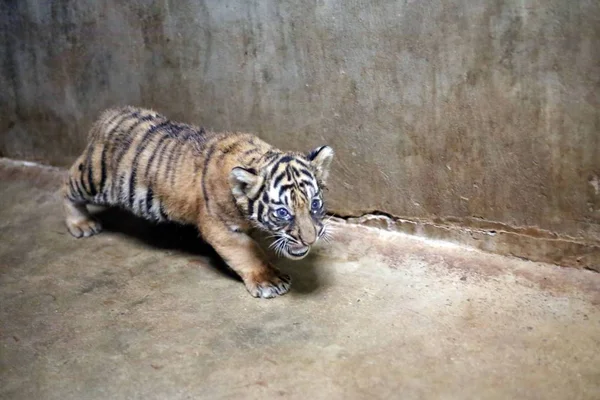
(141, 312)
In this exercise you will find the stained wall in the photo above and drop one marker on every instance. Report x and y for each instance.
(451, 115)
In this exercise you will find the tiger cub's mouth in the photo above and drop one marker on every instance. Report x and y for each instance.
(297, 252)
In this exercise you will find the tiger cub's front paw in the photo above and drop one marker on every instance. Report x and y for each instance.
(268, 283)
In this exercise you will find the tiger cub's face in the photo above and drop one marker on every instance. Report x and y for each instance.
(286, 199)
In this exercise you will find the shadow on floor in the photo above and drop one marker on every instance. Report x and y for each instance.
(185, 239)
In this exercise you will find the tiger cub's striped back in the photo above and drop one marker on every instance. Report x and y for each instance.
(133, 154)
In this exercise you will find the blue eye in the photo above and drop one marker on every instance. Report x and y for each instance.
(282, 213)
(315, 205)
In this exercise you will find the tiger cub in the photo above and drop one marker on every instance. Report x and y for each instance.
(224, 183)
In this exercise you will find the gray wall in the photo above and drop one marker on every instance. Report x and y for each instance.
(476, 113)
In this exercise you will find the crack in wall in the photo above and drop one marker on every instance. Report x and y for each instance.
(529, 243)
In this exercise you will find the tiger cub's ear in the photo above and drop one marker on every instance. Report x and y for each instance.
(320, 159)
(244, 182)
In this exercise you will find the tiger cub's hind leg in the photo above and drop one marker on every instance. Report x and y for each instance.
(78, 219)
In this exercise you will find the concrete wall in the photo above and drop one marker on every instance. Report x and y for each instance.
(481, 114)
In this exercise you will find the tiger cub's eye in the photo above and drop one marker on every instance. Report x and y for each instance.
(315, 205)
(282, 213)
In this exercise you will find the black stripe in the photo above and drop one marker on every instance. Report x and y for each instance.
(305, 182)
(171, 152)
(307, 173)
(175, 154)
(82, 184)
(159, 163)
(284, 188)
(311, 156)
(282, 160)
(270, 157)
(278, 179)
(204, 173)
(138, 152)
(154, 154)
(172, 164)
(71, 188)
(198, 166)
(114, 118)
(173, 172)
(198, 137)
(119, 186)
(162, 212)
(125, 145)
(149, 201)
(261, 208)
(118, 156)
(250, 206)
(260, 190)
(273, 225)
(126, 116)
(175, 129)
(250, 151)
(230, 147)
(164, 126)
(223, 153)
(303, 163)
(80, 189)
(90, 154)
(74, 190)
(132, 178)
(105, 147)
(140, 208)
(90, 174)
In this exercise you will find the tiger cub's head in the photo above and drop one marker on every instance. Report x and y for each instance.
(284, 197)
